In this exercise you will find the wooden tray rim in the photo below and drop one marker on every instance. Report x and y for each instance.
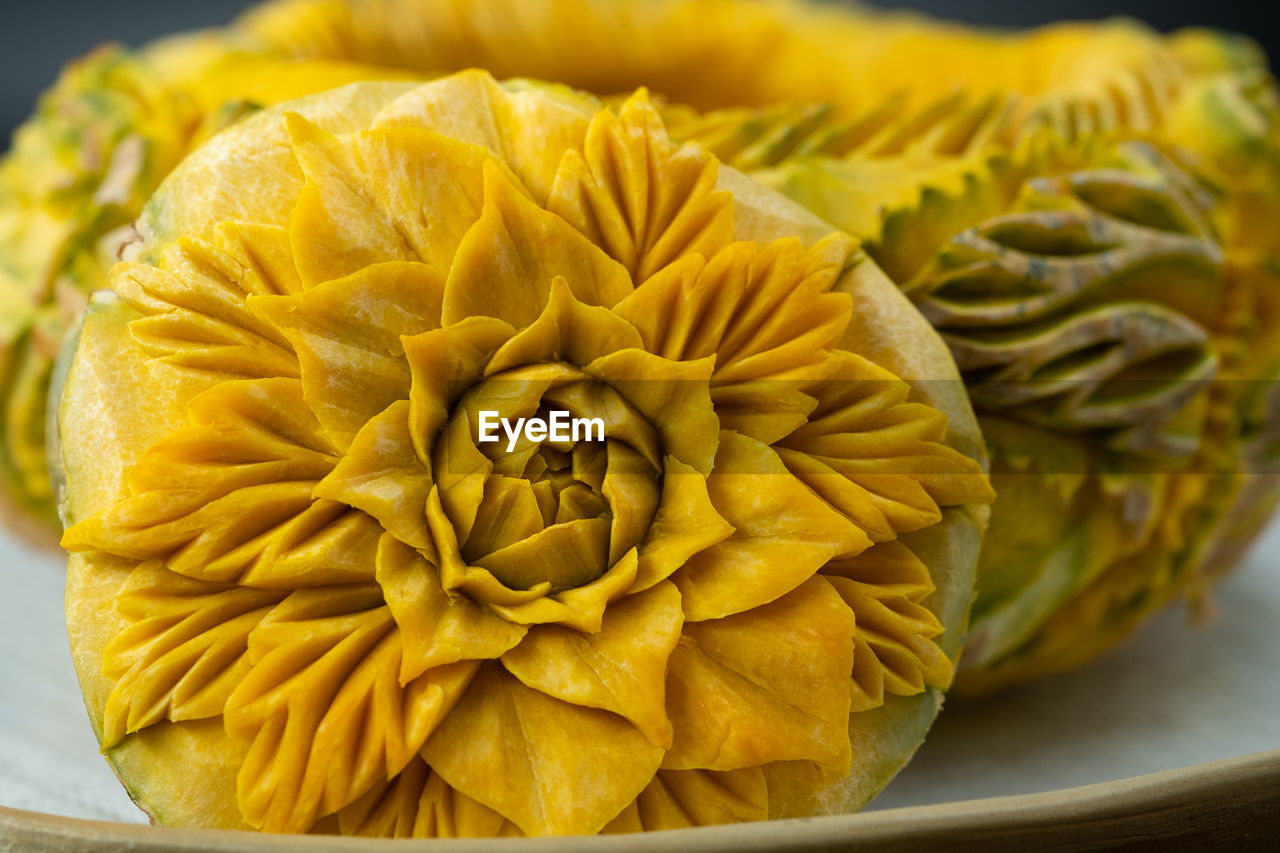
(1233, 802)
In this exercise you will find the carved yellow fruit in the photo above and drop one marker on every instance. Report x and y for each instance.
(944, 148)
(1079, 209)
(298, 571)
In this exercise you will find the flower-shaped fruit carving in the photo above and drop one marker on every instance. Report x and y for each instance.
(421, 632)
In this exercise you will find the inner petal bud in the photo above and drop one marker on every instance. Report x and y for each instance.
(545, 497)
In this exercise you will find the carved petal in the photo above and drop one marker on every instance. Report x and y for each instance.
(347, 336)
(443, 361)
(767, 685)
(568, 555)
(677, 799)
(686, 523)
(672, 396)
(582, 608)
(783, 533)
(264, 254)
(462, 472)
(568, 331)
(786, 317)
(630, 486)
(197, 316)
(622, 668)
(644, 199)
(877, 458)
(507, 514)
(419, 804)
(896, 649)
(766, 314)
(389, 808)
(550, 767)
(402, 194)
(382, 475)
(326, 543)
(229, 496)
(508, 259)
(184, 651)
(323, 708)
(528, 130)
(438, 628)
(457, 577)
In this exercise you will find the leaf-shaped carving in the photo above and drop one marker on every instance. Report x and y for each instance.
(902, 208)
(643, 199)
(903, 175)
(196, 311)
(1026, 265)
(420, 804)
(768, 316)
(1119, 365)
(570, 771)
(1072, 310)
(228, 497)
(954, 124)
(894, 636)
(393, 194)
(622, 668)
(508, 260)
(764, 685)
(906, 174)
(756, 138)
(1082, 231)
(347, 332)
(264, 254)
(877, 458)
(183, 652)
(323, 709)
(783, 533)
(957, 124)
(677, 799)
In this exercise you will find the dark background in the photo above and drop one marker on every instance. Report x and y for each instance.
(38, 36)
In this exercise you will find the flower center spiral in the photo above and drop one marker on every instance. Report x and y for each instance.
(537, 510)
